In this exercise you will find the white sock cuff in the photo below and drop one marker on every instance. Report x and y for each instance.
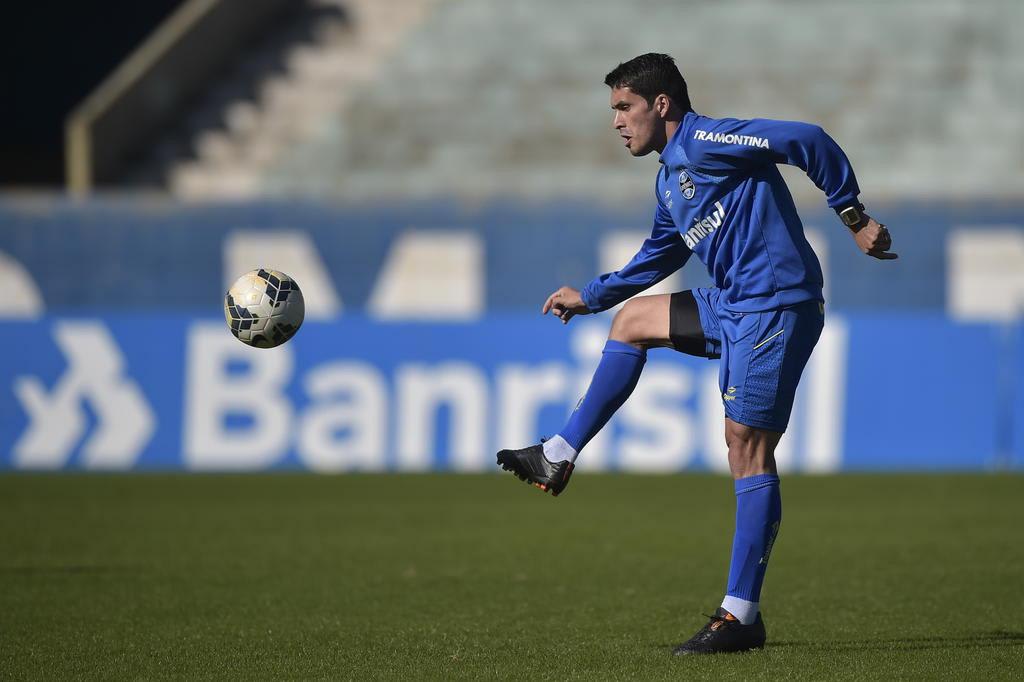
(745, 611)
(557, 449)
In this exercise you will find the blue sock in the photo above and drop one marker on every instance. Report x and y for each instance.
(614, 379)
(758, 514)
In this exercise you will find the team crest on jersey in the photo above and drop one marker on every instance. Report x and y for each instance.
(686, 185)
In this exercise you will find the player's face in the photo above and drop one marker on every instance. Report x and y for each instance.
(637, 123)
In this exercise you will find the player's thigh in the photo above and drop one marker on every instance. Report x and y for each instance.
(643, 320)
(694, 326)
(764, 355)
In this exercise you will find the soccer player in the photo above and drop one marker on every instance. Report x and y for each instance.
(718, 194)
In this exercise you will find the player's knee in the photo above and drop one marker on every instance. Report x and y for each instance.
(751, 450)
(628, 325)
(741, 443)
(738, 435)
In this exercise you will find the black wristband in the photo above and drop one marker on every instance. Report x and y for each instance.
(852, 215)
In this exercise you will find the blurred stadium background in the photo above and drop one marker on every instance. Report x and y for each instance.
(428, 170)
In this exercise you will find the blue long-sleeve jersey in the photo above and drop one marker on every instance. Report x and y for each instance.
(720, 195)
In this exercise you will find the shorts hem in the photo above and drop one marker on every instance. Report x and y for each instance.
(757, 423)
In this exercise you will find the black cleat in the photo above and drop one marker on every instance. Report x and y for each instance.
(724, 634)
(530, 465)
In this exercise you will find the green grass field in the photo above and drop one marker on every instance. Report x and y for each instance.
(483, 577)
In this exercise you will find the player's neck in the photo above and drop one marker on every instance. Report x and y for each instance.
(671, 126)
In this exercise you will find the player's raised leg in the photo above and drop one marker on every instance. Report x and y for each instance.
(666, 320)
(642, 323)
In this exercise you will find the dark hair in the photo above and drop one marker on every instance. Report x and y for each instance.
(650, 75)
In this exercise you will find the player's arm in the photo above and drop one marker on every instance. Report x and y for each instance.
(728, 143)
(660, 255)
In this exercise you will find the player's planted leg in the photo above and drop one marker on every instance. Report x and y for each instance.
(737, 624)
(758, 515)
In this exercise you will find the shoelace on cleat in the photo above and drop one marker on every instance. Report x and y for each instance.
(717, 621)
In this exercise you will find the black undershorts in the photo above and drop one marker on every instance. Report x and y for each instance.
(684, 327)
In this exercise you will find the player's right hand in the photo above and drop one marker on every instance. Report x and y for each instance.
(565, 303)
(874, 239)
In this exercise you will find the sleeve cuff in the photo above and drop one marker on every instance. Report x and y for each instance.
(844, 201)
(588, 299)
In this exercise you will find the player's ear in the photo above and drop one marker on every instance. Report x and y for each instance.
(662, 104)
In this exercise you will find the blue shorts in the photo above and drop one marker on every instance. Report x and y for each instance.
(763, 354)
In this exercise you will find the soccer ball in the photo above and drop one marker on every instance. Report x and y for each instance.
(264, 308)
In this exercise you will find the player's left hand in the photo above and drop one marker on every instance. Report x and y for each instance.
(565, 303)
(874, 239)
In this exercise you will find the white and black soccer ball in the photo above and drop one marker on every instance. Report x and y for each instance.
(264, 308)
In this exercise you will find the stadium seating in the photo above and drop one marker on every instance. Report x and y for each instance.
(318, 80)
(484, 97)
